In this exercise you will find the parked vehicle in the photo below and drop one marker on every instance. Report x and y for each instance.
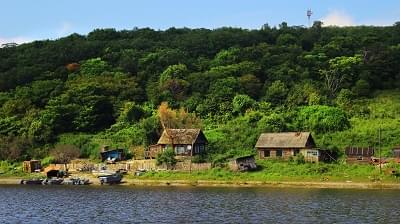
(111, 179)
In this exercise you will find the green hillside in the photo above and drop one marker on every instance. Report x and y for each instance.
(104, 88)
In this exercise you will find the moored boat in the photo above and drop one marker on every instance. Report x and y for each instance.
(53, 181)
(76, 181)
(111, 179)
(32, 181)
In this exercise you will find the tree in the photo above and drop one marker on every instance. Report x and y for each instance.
(241, 103)
(362, 88)
(322, 119)
(94, 66)
(340, 68)
(64, 154)
(277, 92)
(250, 85)
(178, 71)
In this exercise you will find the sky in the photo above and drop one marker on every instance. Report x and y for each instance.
(27, 20)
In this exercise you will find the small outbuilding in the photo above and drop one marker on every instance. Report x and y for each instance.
(286, 145)
(360, 155)
(113, 155)
(31, 166)
(244, 163)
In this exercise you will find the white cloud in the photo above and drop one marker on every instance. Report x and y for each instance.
(17, 40)
(338, 18)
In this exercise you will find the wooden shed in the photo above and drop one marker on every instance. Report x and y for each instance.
(185, 142)
(31, 166)
(287, 144)
(113, 155)
(244, 163)
(361, 155)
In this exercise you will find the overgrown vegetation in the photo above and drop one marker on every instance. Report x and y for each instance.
(104, 88)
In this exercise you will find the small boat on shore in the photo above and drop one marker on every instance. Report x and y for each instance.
(111, 179)
(32, 181)
(76, 181)
(53, 181)
(102, 173)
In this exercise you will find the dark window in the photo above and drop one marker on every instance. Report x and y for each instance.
(267, 153)
(296, 152)
(279, 153)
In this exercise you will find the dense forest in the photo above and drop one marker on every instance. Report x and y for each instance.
(104, 88)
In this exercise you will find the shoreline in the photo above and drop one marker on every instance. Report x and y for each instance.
(235, 184)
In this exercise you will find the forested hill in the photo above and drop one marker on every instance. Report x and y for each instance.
(107, 85)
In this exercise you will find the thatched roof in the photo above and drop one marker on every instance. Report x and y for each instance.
(285, 140)
(181, 136)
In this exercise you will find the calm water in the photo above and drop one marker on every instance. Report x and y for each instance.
(118, 204)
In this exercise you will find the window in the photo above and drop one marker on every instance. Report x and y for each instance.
(267, 153)
(312, 153)
(279, 153)
(296, 152)
(179, 149)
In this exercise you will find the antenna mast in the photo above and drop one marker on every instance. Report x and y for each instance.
(309, 13)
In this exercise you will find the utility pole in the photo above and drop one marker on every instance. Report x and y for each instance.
(380, 154)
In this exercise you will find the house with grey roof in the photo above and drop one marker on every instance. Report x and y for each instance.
(286, 145)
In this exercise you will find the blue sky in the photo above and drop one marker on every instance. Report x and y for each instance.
(27, 20)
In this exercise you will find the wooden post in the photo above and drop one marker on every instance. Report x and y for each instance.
(380, 155)
(191, 157)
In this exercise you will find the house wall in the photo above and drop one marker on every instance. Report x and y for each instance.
(286, 153)
(358, 159)
(310, 155)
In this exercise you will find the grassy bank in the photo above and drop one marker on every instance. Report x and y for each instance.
(285, 171)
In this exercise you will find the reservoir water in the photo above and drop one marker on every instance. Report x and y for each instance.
(119, 204)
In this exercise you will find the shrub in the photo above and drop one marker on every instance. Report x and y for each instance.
(65, 153)
(201, 158)
(300, 159)
(166, 158)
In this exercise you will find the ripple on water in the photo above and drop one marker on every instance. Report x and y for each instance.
(118, 204)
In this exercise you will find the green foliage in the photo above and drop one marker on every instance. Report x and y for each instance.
(166, 158)
(178, 71)
(46, 161)
(95, 89)
(94, 66)
(322, 119)
(241, 103)
(362, 88)
(277, 92)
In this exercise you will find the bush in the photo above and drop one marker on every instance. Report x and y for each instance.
(166, 158)
(201, 158)
(65, 153)
(300, 159)
(47, 161)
